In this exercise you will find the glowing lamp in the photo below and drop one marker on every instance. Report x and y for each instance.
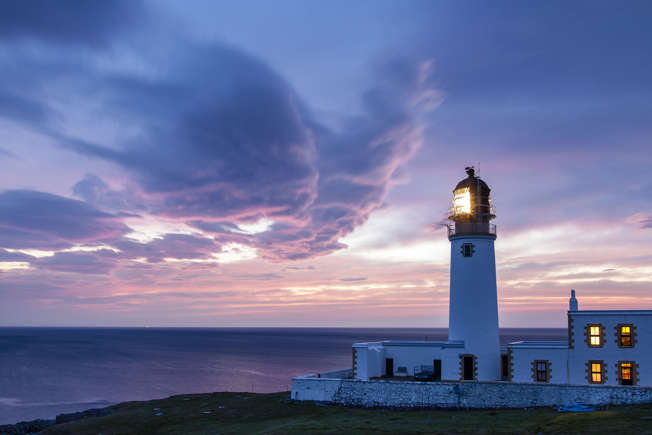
(462, 201)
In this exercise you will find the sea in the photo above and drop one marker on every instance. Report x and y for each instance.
(49, 371)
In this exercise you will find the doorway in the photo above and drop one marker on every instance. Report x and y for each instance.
(436, 373)
(504, 367)
(389, 367)
(468, 368)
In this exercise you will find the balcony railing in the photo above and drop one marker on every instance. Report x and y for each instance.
(455, 212)
(460, 228)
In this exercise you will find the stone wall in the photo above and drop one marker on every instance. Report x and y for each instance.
(460, 394)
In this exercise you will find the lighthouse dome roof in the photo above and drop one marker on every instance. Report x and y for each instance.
(474, 183)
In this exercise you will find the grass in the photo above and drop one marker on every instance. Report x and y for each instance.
(231, 413)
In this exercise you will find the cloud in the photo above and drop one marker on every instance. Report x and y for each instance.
(6, 153)
(31, 219)
(95, 191)
(178, 246)
(14, 256)
(77, 22)
(99, 262)
(212, 136)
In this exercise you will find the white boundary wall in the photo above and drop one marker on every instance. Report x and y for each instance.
(357, 392)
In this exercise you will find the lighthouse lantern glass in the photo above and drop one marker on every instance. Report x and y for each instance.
(462, 201)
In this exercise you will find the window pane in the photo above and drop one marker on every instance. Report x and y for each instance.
(595, 341)
(596, 377)
(625, 330)
(595, 330)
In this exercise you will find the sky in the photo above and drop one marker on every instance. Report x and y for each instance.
(291, 163)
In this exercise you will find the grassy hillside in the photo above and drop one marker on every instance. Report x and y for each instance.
(226, 413)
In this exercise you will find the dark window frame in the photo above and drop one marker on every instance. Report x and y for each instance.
(468, 249)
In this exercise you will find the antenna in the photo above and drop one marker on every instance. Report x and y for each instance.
(479, 171)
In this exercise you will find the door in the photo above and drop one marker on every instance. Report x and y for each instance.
(468, 368)
(389, 367)
(504, 367)
(436, 373)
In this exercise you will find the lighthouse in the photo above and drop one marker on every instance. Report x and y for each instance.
(473, 312)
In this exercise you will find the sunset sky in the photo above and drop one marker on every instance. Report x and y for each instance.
(290, 163)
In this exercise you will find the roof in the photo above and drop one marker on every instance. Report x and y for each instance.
(611, 312)
(539, 344)
(441, 344)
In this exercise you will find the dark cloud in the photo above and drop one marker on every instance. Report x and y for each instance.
(14, 256)
(94, 190)
(646, 222)
(179, 246)
(357, 164)
(24, 109)
(5, 153)
(353, 279)
(222, 138)
(31, 219)
(225, 138)
(99, 262)
(79, 22)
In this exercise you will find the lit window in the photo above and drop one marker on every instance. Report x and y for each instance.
(595, 337)
(626, 373)
(542, 371)
(596, 373)
(626, 336)
(462, 201)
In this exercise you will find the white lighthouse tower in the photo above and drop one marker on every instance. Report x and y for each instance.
(473, 315)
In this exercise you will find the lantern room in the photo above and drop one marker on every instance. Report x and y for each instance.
(472, 209)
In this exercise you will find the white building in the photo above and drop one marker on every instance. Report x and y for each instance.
(603, 348)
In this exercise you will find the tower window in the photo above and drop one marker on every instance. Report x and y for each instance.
(468, 249)
(625, 335)
(594, 335)
(596, 372)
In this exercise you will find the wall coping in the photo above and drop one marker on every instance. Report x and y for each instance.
(313, 377)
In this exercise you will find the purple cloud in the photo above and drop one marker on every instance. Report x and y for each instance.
(179, 246)
(99, 262)
(31, 219)
(224, 139)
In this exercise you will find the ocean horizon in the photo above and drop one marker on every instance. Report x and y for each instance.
(45, 371)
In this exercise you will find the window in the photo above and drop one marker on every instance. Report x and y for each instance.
(468, 249)
(625, 335)
(542, 371)
(626, 373)
(594, 335)
(596, 372)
